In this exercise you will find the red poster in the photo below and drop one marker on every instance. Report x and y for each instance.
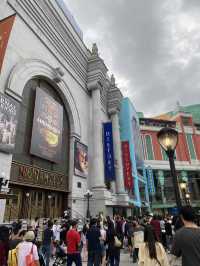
(5, 29)
(128, 179)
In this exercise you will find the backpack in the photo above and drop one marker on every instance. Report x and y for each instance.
(30, 259)
(12, 257)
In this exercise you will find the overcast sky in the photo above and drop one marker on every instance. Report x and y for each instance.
(151, 46)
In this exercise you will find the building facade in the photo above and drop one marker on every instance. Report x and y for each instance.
(130, 135)
(187, 156)
(63, 95)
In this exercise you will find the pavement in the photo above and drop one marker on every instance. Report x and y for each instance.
(125, 260)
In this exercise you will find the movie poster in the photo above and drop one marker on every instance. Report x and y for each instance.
(80, 159)
(9, 110)
(47, 129)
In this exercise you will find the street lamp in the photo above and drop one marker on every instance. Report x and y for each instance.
(168, 139)
(183, 187)
(187, 198)
(88, 195)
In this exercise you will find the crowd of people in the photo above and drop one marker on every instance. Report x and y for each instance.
(148, 240)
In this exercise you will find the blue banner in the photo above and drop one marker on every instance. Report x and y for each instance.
(150, 181)
(109, 167)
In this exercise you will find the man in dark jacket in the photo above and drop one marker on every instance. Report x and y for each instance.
(93, 243)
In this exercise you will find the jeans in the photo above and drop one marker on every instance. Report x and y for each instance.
(135, 255)
(75, 257)
(115, 257)
(46, 250)
(94, 258)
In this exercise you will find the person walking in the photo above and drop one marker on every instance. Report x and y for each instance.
(155, 223)
(137, 239)
(26, 248)
(113, 249)
(47, 242)
(73, 241)
(151, 252)
(187, 239)
(93, 237)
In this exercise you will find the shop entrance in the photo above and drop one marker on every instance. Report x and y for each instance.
(30, 204)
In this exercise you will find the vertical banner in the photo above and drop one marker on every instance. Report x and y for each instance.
(109, 167)
(5, 29)
(128, 178)
(150, 180)
(47, 129)
(9, 110)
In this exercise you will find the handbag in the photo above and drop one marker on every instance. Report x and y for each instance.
(29, 258)
(118, 243)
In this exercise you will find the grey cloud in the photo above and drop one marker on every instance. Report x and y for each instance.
(138, 41)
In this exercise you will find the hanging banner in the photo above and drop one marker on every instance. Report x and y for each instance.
(80, 159)
(150, 180)
(109, 165)
(5, 29)
(9, 110)
(128, 178)
(47, 129)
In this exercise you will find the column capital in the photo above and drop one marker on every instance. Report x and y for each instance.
(114, 97)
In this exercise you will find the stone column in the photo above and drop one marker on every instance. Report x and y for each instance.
(117, 154)
(97, 162)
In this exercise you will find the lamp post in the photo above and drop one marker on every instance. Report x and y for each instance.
(183, 187)
(88, 195)
(187, 198)
(49, 198)
(168, 139)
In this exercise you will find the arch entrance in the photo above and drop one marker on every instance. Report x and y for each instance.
(39, 180)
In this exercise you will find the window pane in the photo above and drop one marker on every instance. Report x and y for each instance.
(191, 146)
(149, 148)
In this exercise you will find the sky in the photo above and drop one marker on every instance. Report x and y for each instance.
(151, 46)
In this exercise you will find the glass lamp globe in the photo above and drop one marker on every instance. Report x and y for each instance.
(168, 138)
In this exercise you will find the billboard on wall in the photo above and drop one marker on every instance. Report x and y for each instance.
(127, 166)
(109, 162)
(80, 159)
(9, 110)
(47, 129)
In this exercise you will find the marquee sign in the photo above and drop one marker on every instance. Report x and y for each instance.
(47, 129)
(38, 177)
(109, 165)
(128, 178)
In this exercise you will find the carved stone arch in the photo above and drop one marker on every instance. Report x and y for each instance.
(33, 68)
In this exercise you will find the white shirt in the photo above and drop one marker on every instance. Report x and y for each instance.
(56, 231)
(24, 249)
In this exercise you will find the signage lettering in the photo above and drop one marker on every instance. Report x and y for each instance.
(109, 167)
(128, 178)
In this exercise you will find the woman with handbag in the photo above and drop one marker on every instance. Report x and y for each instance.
(27, 254)
(114, 245)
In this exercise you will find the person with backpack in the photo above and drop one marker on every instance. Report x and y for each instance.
(27, 252)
